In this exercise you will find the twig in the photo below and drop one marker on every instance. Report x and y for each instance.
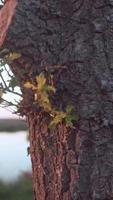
(8, 102)
(3, 80)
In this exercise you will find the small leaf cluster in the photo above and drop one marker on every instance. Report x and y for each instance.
(42, 92)
(9, 57)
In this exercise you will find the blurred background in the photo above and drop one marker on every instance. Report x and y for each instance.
(15, 164)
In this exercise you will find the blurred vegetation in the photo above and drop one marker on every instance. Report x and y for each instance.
(19, 190)
(12, 125)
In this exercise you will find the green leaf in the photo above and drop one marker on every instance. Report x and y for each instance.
(58, 118)
(51, 88)
(14, 56)
(69, 109)
(69, 124)
(72, 118)
(13, 83)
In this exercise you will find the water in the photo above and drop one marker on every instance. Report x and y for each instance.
(13, 155)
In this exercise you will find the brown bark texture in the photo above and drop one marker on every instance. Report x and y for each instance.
(68, 164)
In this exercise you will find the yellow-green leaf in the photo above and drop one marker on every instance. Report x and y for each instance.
(13, 56)
(41, 81)
(28, 85)
(69, 109)
(51, 88)
(58, 118)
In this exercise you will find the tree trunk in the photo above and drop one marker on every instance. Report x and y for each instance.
(54, 160)
(73, 41)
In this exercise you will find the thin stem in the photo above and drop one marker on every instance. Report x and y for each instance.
(8, 102)
(8, 72)
(3, 81)
(7, 89)
(13, 92)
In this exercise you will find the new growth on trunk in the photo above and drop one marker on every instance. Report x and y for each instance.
(72, 41)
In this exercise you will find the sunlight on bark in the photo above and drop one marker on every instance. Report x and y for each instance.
(6, 15)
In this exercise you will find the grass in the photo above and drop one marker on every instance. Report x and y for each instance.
(19, 190)
(12, 125)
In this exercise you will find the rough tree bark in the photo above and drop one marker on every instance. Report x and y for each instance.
(78, 34)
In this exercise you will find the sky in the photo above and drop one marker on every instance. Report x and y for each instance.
(16, 145)
(8, 112)
(4, 113)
